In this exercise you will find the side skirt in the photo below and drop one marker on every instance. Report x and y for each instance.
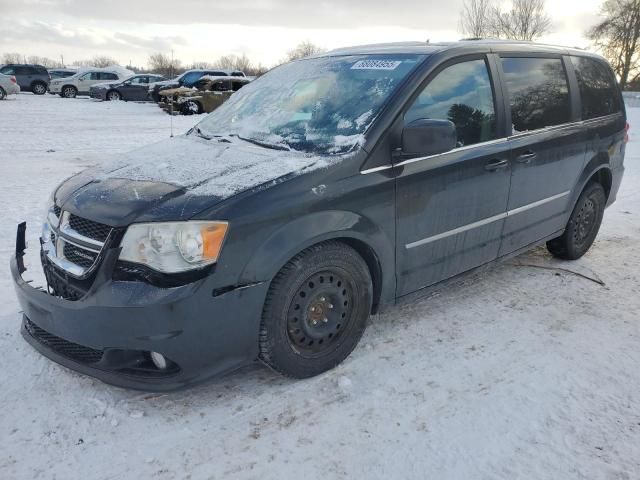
(469, 274)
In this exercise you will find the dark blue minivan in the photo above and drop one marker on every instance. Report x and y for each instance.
(327, 189)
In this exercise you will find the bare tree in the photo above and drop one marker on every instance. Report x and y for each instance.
(12, 58)
(526, 20)
(164, 65)
(475, 18)
(618, 38)
(98, 61)
(302, 50)
(44, 61)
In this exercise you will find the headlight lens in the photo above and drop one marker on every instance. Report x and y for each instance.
(174, 247)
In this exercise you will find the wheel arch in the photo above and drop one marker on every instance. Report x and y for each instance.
(597, 169)
(352, 229)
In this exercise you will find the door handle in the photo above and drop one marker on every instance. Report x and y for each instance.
(496, 165)
(526, 157)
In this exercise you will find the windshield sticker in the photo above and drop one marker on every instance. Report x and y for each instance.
(376, 65)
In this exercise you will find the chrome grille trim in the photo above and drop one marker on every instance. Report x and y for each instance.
(61, 235)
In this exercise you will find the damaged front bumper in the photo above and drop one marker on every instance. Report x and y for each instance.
(111, 331)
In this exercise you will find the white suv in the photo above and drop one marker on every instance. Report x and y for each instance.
(81, 82)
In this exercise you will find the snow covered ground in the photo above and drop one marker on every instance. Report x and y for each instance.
(521, 372)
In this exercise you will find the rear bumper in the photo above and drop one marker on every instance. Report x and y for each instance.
(109, 333)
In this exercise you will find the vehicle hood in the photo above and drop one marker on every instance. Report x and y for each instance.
(178, 178)
(105, 85)
(164, 83)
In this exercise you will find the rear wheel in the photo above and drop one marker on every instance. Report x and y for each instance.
(39, 88)
(3, 94)
(316, 310)
(114, 96)
(69, 91)
(583, 226)
(191, 107)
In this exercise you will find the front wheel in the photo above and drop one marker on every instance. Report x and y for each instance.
(69, 92)
(39, 88)
(583, 226)
(114, 96)
(316, 310)
(3, 94)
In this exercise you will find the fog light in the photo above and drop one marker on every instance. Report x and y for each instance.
(159, 361)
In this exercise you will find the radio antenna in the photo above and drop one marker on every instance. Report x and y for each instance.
(171, 105)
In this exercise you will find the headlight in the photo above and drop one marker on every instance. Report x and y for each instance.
(50, 219)
(174, 247)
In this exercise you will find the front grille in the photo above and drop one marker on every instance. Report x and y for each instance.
(68, 349)
(80, 256)
(88, 228)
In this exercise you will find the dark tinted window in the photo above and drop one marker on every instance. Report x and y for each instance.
(598, 88)
(7, 71)
(538, 92)
(24, 70)
(191, 77)
(108, 76)
(461, 94)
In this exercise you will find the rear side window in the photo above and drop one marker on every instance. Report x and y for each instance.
(108, 76)
(463, 95)
(538, 92)
(598, 88)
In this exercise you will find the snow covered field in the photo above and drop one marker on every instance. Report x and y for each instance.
(520, 373)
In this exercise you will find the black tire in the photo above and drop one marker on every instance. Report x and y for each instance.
(191, 107)
(583, 226)
(113, 96)
(69, 91)
(3, 94)
(316, 310)
(39, 88)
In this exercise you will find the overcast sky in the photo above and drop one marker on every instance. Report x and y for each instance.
(202, 30)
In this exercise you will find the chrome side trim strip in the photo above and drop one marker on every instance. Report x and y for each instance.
(376, 169)
(524, 208)
(455, 231)
(486, 221)
(455, 150)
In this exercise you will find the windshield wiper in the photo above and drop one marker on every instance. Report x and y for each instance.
(201, 134)
(260, 143)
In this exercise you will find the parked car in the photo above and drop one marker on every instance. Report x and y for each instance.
(187, 79)
(30, 78)
(132, 89)
(207, 95)
(55, 73)
(81, 82)
(8, 86)
(327, 189)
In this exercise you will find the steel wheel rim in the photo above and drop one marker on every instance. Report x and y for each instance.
(39, 88)
(585, 222)
(320, 312)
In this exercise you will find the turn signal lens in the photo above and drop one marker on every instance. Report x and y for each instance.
(212, 239)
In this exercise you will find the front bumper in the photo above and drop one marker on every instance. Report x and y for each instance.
(98, 94)
(55, 88)
(109, 333)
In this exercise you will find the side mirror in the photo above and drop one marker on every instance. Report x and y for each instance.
(424, 137)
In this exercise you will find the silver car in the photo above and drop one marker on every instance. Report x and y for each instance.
(8, 86)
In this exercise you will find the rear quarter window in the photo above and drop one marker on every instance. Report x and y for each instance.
(538, 92)
(598, 89)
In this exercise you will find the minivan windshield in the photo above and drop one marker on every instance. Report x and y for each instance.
(319, 105)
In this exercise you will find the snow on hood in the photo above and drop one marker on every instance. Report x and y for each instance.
(210, 168)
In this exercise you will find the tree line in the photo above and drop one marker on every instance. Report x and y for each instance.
(165, 64)
(616, 35)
